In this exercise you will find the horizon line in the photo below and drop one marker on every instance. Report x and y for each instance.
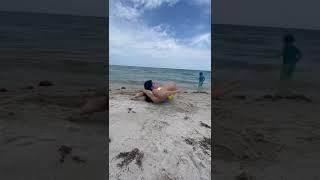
(160, 67)
(267, 26)
(52, 13)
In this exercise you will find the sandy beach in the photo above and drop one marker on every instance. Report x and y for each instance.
(159, 141)
(261, 136)
(42, 135)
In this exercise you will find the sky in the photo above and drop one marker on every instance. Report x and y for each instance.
(278, 13)
(73, 7)
(275, 13)
(160, 33)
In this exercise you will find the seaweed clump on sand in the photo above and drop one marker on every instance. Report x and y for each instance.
(128, 157)
(3, 90)
(190, 141)
(64, 151)
(205, 144)
(205, 125)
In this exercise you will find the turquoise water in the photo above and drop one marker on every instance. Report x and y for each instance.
(138, 75)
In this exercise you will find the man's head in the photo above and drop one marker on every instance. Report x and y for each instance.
(201, 73)
(148, 85)
(288, 39)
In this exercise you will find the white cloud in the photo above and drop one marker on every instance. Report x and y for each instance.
(202, 2)
(134, 43)
(133, 8)
(202, 41)
(118, 10)
(151, 4)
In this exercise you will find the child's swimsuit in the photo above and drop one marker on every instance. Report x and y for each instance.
(290, 59)
(201, 80)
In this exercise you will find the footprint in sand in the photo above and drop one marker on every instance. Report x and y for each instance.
(78, 159)
(27, 143)
(291, 97)
(12, 139)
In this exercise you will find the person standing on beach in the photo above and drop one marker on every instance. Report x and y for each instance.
(291, 55)
(201, 79)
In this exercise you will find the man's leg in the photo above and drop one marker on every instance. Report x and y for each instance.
(289, 85)
(170, 86)
(200, 86)
(283, 82)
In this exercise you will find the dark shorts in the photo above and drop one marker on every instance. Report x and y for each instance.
(287, 71)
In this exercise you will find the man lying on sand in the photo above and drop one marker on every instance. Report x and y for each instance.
(152, 93)
(157, 94)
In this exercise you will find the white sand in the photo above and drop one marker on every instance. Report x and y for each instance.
(159, 131)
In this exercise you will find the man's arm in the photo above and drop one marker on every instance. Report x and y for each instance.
(151, 96)
(139, 94)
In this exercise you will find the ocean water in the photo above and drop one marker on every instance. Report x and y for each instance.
(247, 52)
(57, 42)
(138, 75)
(68, 50)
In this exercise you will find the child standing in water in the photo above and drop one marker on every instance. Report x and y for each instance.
(201, 80)
(291, 55)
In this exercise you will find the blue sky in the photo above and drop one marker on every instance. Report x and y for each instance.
(160, 33)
